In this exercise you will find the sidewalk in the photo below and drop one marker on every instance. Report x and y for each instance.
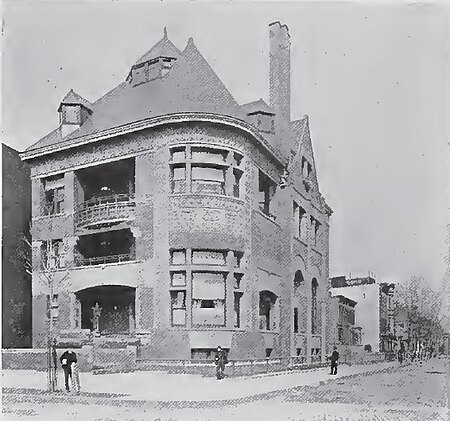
(160, 386)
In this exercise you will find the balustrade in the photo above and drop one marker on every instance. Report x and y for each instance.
(105, 209)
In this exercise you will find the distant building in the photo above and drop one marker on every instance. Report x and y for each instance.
(374, 312)
(16, 251)
(184, 219)
(345, 331)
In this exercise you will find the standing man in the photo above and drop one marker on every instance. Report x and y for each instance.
(67, 358)
(334, 361)
(221, 360)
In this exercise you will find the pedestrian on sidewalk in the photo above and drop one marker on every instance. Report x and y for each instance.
(334, 361)
(220, 360)
(67, 358)
(401, 353)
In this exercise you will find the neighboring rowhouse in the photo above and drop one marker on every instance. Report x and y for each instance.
(374, 312)
(16, 251)
(345, 331)
(183, 219)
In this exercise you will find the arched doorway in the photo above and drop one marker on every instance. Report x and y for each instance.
(107, 309)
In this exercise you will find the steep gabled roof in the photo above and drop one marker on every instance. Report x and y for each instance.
(190, 86)
(257, 106)
(73, 98)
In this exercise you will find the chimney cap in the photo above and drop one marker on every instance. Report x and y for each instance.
(281, 26)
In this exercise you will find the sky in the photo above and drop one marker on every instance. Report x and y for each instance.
(372, 77)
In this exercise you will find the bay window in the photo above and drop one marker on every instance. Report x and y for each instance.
(205, 170)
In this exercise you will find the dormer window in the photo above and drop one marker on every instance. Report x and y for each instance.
(155, 63)
(73, 111)
(260, 115)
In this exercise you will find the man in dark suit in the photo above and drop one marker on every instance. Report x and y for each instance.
(67, 358)
(221, 360)
(334, 361)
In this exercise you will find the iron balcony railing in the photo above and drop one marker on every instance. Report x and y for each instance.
(118, 207)
(104, 260)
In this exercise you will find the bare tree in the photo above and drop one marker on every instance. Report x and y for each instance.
(52, 277)
(422, 305)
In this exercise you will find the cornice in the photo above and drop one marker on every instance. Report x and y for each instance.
(149, 123)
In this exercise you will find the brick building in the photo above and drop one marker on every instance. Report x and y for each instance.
(346, 332)
(16, 251)
(183, 220)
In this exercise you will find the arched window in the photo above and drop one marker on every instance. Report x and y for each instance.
(298, 279)
(314, 321)
(267, 300)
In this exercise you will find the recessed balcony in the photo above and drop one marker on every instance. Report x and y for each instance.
(105, 248)
(103, 211)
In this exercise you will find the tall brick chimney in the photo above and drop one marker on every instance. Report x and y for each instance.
(280, 69)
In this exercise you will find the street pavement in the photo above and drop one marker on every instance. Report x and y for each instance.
(372, 392)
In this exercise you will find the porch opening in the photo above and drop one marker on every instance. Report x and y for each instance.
(108, 309)
(105, 180)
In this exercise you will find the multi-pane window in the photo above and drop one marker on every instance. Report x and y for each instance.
(53, 195)
(178, 291)
(178, 307)
(52, 254)
(267, 188)
(198, 287)
(204, 170)
(208, 298)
